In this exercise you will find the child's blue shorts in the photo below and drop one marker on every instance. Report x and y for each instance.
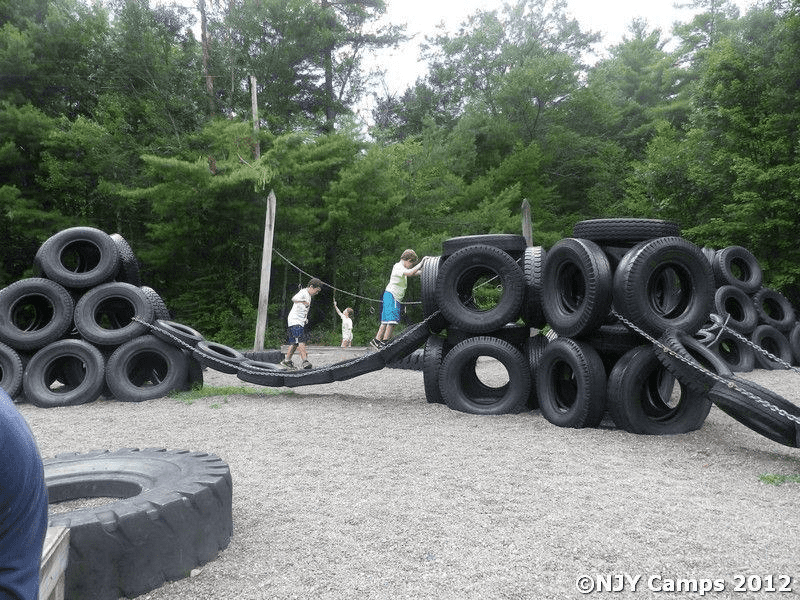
(390, 314)
(296, 334)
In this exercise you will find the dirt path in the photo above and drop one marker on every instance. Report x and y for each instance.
(363, 490)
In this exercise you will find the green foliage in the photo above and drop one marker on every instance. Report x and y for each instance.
(774, 479)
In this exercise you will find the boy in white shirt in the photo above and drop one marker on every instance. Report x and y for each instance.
(296, 322)
(393, 295)
(347, 324)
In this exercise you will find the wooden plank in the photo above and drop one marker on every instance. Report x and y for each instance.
(527, 225)
(266, 268)
(54, 564)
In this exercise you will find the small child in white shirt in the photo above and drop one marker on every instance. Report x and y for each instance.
(347, 325)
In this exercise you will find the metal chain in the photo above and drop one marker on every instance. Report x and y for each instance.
(727, 381)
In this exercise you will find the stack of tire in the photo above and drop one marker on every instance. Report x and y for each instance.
(79, 329)
(753, 316)
(623, 299)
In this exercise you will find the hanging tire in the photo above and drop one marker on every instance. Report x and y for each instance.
(622, 231)
(219, 357)
(173, 514)
(512, 244)
(773, 308)
(104, 314)
(735, 308)
(34, 312)
(533, 300)
(75, 364)
(737, 266)
(751, 413)
(468, 269)
(577, 280)
(11, 371)
(178, 334)
(432, 355)
(664, 283)
(463, 390)
(79, 257)
(773, 341)
(428, 277)
(534, 348)
(645, 398)
(738, 355)
(692, 361)
(571, 384)
(146, 368)
(129, 265)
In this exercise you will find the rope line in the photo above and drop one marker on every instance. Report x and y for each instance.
(334, 288)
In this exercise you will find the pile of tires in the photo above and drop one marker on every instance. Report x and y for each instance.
(626, 304)
(80, 328)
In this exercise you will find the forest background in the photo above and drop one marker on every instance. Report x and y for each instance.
(115, 115)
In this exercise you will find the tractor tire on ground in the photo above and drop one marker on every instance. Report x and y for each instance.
(173, 514)
(457, 281)
(146, 368)
(34, 312)
(462, 388)
(79, 257)
(577, 280)
(645, 398)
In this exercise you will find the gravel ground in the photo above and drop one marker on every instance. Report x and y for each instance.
(362, 490)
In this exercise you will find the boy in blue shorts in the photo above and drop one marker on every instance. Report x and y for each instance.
(296, 322)
(393, 296)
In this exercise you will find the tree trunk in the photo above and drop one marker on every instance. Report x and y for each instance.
(206, 42)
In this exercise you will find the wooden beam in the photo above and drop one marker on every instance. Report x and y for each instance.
(527, 225)
(266, 268)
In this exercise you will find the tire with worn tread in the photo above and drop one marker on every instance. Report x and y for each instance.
(624, 231)
(571, 384)
(642, 398)
(104, 314)
(76, 364)
(773, 308)
(735, 308)
(160, 310)
(173, 513)
(512, 244)
(773, 341)
(457, 278)
(458, 378)
(34, 312)
(737, 266)
(79, 257)
(11, 370)
(533, 300)
(146, 368)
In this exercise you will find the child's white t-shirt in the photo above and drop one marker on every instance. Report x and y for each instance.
(299, 312)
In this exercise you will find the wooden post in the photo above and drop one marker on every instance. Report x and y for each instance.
(527, 226)
(254, 103)
(266, 267)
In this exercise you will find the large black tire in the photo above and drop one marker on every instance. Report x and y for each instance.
(533, 300)
(773, 341)
(11, 371)
(34, 312)
(571, 384)
(735, 308)
(462, 389)
(180, 335)
(432, 355)
(773, 308)
(268, 374)
(104, 314)
(404, 344)
(457, 279)
(513, 244)
(794, 342)
(577, 284)
(80, 257)
(642, 397)
(761, 419)
(160, 310)
(737, 266)
(664, 283)
(688, 360)
(347, 369)
(174, 513)
(624, 231)
(76, 364)
(738, 355)
(266, 356)
(219, 357)
(428, 277)
(146, 368)
(129, 266)
(410, 362)
(516, 335)
(534, 348)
